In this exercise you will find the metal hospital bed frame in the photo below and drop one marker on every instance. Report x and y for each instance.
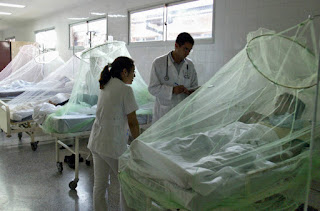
(59, 140)
(9, 126)
(282, 186)
(61, 137)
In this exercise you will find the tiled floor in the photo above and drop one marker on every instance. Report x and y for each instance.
(29, 180)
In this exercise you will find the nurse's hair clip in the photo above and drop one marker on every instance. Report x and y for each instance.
(109, 66)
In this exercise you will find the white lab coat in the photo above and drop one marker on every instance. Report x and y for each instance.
(162, 89)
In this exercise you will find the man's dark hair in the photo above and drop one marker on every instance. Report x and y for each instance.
(183, 38)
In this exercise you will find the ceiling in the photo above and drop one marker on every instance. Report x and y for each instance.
(35, 9)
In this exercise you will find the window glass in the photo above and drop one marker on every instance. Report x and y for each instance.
(47, 39)
(187, 17)
(98, 30)
(166, 22)
(147, 25)
(88, 34)
(78, 35)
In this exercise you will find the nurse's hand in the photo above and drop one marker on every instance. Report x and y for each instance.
(179, 89)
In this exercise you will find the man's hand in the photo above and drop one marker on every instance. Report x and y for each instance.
(179, 89)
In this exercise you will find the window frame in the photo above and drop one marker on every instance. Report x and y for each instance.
(87, 23)
(166, 41)
(45, 30)
(10, 38)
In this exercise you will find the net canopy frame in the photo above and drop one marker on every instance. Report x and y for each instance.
(245, 140)
(32, 72)
(86, 90)
(25, 54)
(54, 89)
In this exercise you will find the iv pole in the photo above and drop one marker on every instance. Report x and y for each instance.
(314, 120)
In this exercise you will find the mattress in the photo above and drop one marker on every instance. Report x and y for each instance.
(83, 122)
(10, 93)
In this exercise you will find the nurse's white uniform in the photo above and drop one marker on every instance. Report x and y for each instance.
(108, 140)
(109, 132)
(162, 89)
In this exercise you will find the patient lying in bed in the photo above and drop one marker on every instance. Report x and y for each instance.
(213, 160)
(285, 117)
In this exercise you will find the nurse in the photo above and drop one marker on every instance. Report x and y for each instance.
(173, 77)
(108, 139)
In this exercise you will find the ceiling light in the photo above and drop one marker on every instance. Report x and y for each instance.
(12, 5)
(97, 13)
(78, 18)
(117, 16)
(5, 13)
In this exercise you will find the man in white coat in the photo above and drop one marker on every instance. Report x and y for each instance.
(173, 77)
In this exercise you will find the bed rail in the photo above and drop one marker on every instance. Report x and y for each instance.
(5, 118)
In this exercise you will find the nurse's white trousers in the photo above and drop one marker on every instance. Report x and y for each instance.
(103, 168)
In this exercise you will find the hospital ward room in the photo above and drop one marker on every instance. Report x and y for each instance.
(160, 105)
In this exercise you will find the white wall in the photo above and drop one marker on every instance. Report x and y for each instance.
(233, 20)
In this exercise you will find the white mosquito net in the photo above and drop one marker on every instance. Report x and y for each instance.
(55, 88)
(82, 104)
(32, 72)
(241, 141)
(25, 54)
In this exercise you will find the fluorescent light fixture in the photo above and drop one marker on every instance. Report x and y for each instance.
(78, 18)
(98, 13)
(117, 16)
(5, 13)
(12, 5)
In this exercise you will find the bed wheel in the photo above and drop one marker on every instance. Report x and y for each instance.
(60, 166)
(34, 145)
(20, 136)
(73, 185)
(88, 162)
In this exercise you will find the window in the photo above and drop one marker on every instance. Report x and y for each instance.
(166, 22)
(47, 39)
(88, 34)
(10, 39)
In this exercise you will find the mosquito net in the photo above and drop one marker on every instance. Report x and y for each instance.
(32, 72)
(25, 54)
(81, 108)
(241, 141)
(55, 88)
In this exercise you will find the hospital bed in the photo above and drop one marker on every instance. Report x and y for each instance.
(82, 123)
(19, 119)
(178, 187)
(54, 88)
(9, 95)
(10, 126)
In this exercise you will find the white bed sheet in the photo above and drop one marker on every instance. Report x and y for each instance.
(26, 110)
(191, 162)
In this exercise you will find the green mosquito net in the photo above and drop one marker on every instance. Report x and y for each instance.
(79, 113)
(242, 141)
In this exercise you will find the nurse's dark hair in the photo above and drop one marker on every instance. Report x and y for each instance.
(184, 37)
(114, 70)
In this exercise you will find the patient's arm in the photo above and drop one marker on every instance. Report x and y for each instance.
(252, 117)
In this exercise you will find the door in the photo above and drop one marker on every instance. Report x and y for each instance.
(5, 54)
